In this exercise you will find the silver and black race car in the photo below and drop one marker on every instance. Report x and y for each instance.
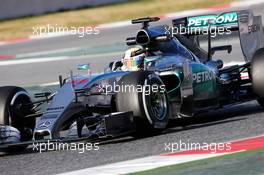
(176, 78)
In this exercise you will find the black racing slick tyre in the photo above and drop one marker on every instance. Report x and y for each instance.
(14, 107)
(261, 101)
(257, 73)
(148, 101)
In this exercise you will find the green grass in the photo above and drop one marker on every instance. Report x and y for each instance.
(19, 28)
(198, 163)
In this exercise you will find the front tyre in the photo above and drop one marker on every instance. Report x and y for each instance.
(14, 107)
(144, 94)
(261, 101)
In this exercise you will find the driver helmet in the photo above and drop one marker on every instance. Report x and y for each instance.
(133, 59)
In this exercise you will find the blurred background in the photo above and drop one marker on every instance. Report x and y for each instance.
(17, 17)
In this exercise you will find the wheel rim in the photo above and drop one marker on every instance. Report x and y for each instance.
(155, 103)
(158, 106)
(18, 99)
(17, 113)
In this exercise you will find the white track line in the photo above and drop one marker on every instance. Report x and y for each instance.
(41, 53)
(138, 165)
(233, 63)
(115, 24)
(51, 59)
(187, 13)
(246, 3)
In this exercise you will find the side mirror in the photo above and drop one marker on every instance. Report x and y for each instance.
(83, 66)
(228, 48)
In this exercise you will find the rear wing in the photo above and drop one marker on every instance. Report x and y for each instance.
(249, 27)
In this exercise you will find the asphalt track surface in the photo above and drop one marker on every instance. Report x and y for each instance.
(236, 122)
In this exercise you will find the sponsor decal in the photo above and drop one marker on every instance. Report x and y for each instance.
(254, 28)
(49, 116)
(244, 75)
(204, 76)
(55, 108)
(221, 20)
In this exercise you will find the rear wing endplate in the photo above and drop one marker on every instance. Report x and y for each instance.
(249, 27)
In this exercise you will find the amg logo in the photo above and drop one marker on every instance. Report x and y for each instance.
(203, 76)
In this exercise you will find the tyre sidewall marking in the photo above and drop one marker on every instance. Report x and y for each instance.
(144, 102)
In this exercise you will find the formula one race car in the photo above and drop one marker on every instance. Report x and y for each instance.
(165, 75)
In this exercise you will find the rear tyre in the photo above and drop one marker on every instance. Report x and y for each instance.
(257, 66)
(14, 107)
(148, 101)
